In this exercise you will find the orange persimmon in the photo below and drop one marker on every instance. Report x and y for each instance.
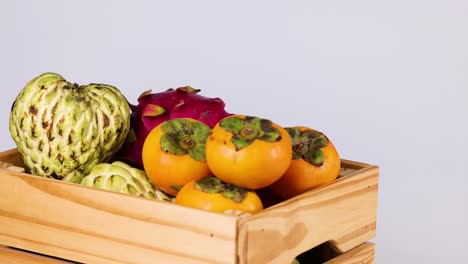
(315, 162)
(247, 151)
(174, 153)
(211, 194)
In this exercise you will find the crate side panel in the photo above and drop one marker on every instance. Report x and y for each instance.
(111, 225)
(334, 212)
(72, 256)
(28, 235)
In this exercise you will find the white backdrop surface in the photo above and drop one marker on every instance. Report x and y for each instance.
(387, 81)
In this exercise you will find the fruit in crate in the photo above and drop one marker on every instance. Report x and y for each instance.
(63, 130)
(155, 108)
(120, 177)
(211, 194)
(315, 161)
(174, 153)
(247, 151)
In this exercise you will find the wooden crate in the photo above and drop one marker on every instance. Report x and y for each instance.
(363, 254)
(89, 225)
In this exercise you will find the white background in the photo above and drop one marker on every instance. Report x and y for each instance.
(387, 81)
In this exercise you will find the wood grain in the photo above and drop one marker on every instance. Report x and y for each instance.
(89, 225)
(15, 256)
(343, 212)
(349, 164)
(95, 226)
(363, 254)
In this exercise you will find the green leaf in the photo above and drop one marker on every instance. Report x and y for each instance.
(240, 143)
(294, 133)
(176, 187)
(232, 124)
(227, 194)
(296, 138)
(320, 142)
(177, 127)
(267, 126)
(170, 144)
(200, 132)
(179, 130)
(208, 184)
(198, 152)
(270, 137)
(245, 131)
(212, 184)
(316, 157)
(312, 140)
(310, 134)
(169, 127)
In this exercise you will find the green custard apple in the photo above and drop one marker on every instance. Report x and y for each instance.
(63, 130)
(120, 177)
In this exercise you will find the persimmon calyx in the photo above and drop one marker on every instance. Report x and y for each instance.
(182, 137)
(212, 184)
(246, 130)
(307, 145)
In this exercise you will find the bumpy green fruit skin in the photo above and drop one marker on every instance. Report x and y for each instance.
(63, 130)
(120, 177)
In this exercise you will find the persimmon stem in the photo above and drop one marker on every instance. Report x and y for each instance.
(248, 133)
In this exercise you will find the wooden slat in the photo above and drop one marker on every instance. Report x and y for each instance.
(15, 256)
(349, 164)
(363, 254)
(95, 226)
(343, 212)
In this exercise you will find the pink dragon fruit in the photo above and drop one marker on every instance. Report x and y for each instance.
(155, 108)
